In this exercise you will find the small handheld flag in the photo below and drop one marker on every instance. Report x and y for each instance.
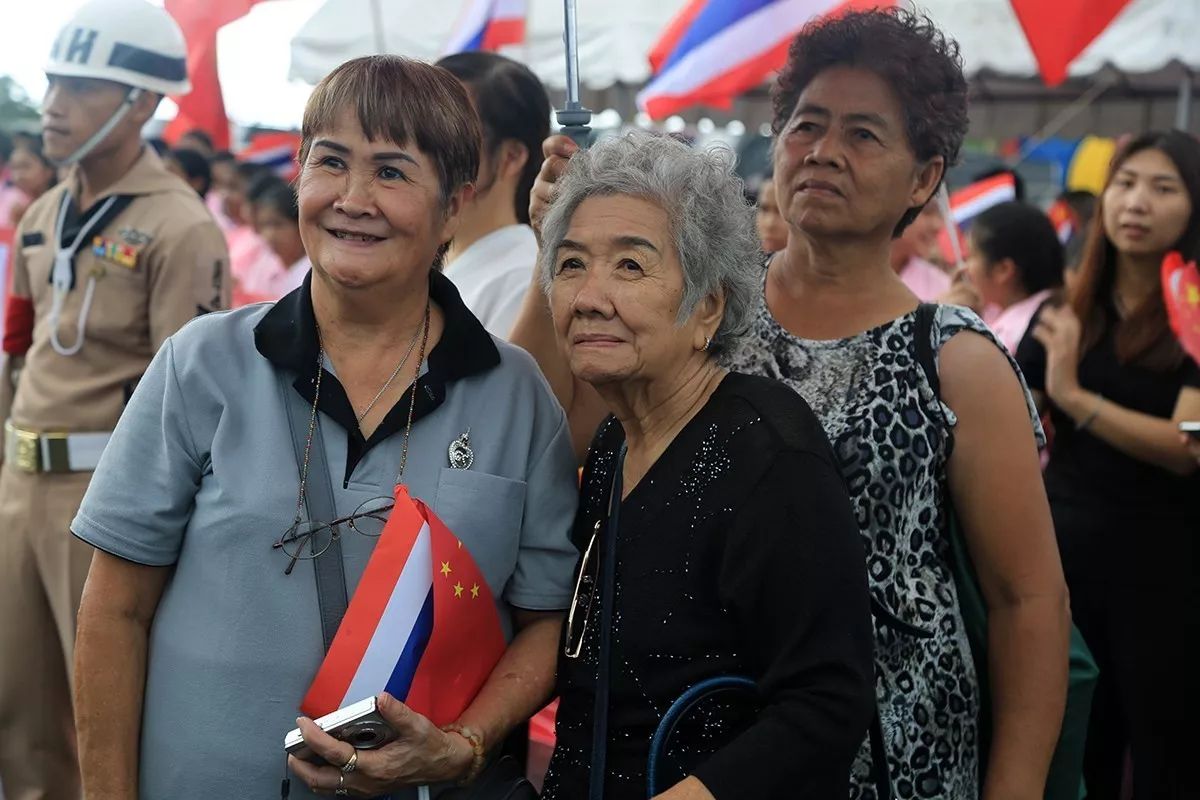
(1181, 293)
(971, 201)
(422, 624)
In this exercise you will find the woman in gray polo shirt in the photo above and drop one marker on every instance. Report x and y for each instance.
(195, 632)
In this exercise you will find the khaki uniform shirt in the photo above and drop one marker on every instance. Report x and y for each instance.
(158, 263)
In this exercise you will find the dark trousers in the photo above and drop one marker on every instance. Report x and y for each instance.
(1135, 596)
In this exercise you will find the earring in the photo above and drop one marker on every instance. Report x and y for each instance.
(707, 343)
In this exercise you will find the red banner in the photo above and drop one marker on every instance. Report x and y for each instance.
(6, 241)
(204, 107)
(1059, 30)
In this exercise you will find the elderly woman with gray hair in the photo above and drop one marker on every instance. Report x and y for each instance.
(716, 535)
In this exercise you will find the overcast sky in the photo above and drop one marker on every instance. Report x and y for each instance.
(253, 55)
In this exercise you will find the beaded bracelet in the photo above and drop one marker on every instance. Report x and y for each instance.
(474, 739)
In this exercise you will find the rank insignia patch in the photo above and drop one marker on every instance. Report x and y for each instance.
(134, 238)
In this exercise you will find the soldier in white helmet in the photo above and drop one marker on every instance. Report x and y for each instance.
(106, 266)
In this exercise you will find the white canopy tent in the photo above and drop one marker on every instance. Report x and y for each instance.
(614, 36)
(1144, 61)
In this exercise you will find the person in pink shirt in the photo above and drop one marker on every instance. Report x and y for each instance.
(277, 221)
(1015, 264)
(251, 260)
(910, 252)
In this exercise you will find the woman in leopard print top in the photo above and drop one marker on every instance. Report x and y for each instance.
(869, 111)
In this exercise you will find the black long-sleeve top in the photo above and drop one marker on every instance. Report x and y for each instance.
(738, 554)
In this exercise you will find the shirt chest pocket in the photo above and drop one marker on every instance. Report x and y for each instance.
(485, 513)
(119, 306)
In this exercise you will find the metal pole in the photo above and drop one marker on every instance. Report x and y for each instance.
(1061, 119)
(571, 34)
(1183, 106)
(377, 13)
(574, 118)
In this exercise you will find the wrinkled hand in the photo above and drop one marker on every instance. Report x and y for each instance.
(557, 151)
(421, 754)
(1059, 331)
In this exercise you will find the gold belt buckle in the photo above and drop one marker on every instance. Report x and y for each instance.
(26, 449)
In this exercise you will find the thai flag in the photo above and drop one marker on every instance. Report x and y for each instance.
(277, 150)
(488, 25)
(422, 624)
(971, 201)
(714, 50)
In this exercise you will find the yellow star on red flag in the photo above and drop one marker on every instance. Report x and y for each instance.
(446, 569)
(475, 591)
(458, 589)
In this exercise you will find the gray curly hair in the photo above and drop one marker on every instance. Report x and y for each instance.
(712, 224)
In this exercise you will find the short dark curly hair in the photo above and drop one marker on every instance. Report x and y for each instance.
(921, 64)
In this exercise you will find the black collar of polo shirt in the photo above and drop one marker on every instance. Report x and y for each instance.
(287, 337)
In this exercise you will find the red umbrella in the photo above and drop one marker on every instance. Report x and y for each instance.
(1059, 30)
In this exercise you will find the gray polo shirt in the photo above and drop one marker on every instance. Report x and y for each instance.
(200, 474)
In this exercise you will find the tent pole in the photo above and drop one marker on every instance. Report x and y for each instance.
(1061, 119)
(1183, 106)
(377, 15)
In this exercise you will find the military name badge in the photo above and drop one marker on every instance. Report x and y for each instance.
(123, 255)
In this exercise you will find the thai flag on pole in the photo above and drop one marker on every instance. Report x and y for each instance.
(714, 50)
(488, 25)
(971, 201)
(422, 624)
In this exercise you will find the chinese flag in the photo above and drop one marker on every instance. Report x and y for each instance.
(1181, 292)
(204, 108)
(467, 640)
(421, 625)
(1059, 30)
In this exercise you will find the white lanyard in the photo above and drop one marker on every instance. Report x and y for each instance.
(63, 272)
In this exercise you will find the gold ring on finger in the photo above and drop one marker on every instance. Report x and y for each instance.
(351, 764)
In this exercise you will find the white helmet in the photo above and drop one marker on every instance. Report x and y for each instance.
(127, 41)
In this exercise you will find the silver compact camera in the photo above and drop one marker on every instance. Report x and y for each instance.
(360, 725)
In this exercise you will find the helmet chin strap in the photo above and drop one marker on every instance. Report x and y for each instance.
(105, 129)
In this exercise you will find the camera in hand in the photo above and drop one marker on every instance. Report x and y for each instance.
(360, 725)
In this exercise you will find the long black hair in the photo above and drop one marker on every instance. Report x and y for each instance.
(1145, 335)
(512, 105)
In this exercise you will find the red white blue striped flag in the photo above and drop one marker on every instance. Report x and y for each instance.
(422, 624)
(714, 50)
(972, 200)
(488, 25)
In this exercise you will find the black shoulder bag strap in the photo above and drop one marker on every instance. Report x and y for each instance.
(318, 499)
(923, 331)
(608, 588)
